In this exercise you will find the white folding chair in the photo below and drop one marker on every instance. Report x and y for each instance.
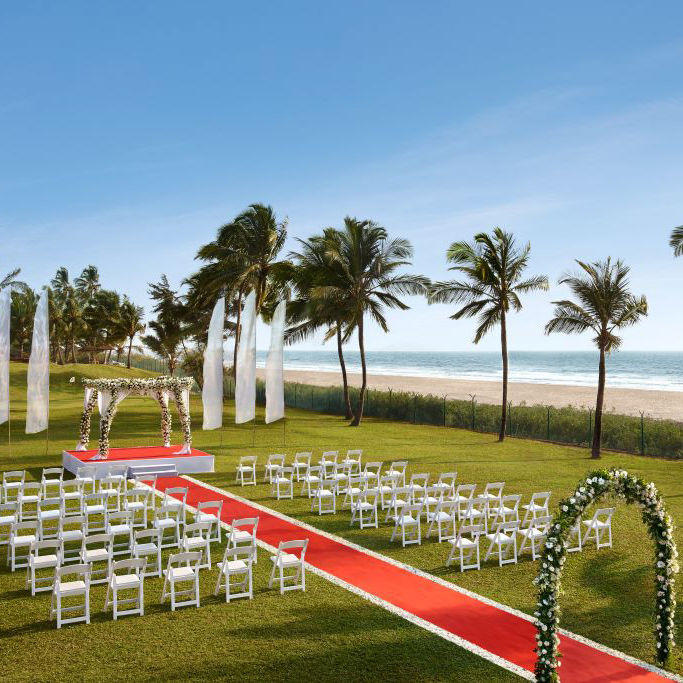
(443, 518)
(599, 527)
(95, 511)
(119, 472)
(372, 471)
(70, 589)
(446, 484)
(236, 563)
(87, 476)
(129, 576)
(407, 521)
(182, 568)
(112, 488)
(537, 507)
(493, 492)
(71, 492)
(340, 478)
(430, 498)
(507, 510)
(462, 496)
(197, 537)
(12, 482)
(574, 544)
(301, 464)
(211, 511)
(147, 543)
(352, 463)
(400, 497)
(43, 555)
(29, 497)
(364, 508)
(120, 526)
(283, 483)
(9, 514)
(310, 479)
(398, 469)
(167, 518)
(534, 535)
(175, 498)
(503, 542)
(243, 534)
(137, 501)
(22, 536)
(95, 549)
(475, 512)
(328, 463)
(466, 545)
(325, 497)
(418, 485)
(275, 461)
(245, 472)
(50, 511)
(354, 485)
(70, 535)
(287, 560)
(51, 481)
(385, 487)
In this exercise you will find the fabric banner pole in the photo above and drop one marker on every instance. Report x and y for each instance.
(245, 380)
(212, 389)
(38, 378)
(275, 386)
(5, 313)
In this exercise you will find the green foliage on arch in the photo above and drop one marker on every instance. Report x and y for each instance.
(660, 529)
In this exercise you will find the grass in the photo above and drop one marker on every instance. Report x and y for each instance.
(280, 637)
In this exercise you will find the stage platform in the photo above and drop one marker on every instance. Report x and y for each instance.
(194, 462)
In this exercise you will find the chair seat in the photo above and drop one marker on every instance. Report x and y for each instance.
(173, 503)
(49, 514)
(405, 519)
(462, 542)
(232, 566)
(324, 493)
(23, 540)
(194, 542)
(311, 478)
(499, 537)
(12, 485)
(461, 499)
(365, 506)
(439, 517)
(30, 499)
(71, 587)
(94, 509)
(206, 517)
(245, 468)
(43, 561)
(117, 529)
(71, 535)
(71, 495)
(534, 506)
(531, 532)
(144, 548)
(8, 519)
(135, 505)
(125, 580)
(96, 555)
(596, 524)
(286, 560)
(180, 573)
(282, 480)
(430, 500)
(110, 492)
(165, 523)
(241, 535)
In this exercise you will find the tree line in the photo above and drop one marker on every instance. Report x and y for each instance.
(336, 283)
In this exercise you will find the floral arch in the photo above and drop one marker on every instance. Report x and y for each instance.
(108, 393)
(660, 528)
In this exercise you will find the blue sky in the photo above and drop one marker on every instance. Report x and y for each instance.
(130, 131)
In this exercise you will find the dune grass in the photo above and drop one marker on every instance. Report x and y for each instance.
(608, 594)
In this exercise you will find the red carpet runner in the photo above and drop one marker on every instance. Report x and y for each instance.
(499, 632)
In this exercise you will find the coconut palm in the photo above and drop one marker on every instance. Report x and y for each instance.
(88, 282)
(493, 268)
(369, 283)
(308, 312)
(22, 312)
(131, 317)
(10, 280)
(675, 241)
(603, 305)
(166, 341)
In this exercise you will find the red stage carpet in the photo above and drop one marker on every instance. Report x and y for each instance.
(499, 632)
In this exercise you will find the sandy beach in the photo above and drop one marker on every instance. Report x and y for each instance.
(659, 404)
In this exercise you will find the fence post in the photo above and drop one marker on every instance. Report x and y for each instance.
(547, 425)
(642, 433)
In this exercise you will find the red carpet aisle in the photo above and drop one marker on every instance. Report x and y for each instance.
(497, 631)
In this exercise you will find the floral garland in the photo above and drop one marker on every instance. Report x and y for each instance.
(155, 387)
(660, 528)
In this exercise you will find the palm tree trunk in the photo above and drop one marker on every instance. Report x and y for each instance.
(130, 347)
(348, 414)
(361, 396)
(73, 349)
(597, 429)
(504, 352)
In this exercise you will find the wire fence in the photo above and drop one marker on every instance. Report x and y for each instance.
(569, 425)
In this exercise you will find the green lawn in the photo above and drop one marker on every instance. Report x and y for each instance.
(608, 594)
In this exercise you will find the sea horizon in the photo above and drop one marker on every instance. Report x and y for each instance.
(653, 370)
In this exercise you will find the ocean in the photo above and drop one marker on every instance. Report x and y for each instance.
(626, 369)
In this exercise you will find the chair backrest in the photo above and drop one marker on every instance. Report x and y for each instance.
(98, 498)
(399, 465)
(412, 509)
(465, 490)
(448, 506)
(285, 472)
(202, 529)
(8, 509)
(138, 495)
(245, 521)
(329, 457)
(135, 565)
(400, 492)
(189, 558)
(117, 470)
(603, 514)
(354, 454)
(145, 480)
(473, 530)
(31, 528)
(249, 460)
(177, 493)
(52, 544)
(148, 536)
(540, 498)
(104, 540)
(71, 486)
(30, 488)
(14, 476)
(420, 479)
(52, 474)
(448, 478)
(210, 505)
(511, 501)
(541, 523)
(164, 511)
(356, 482)
(373, 467)
(494, 488)
(51, 504)
(110, 482)
(241, 552)
(433, 491)
(276, 459)
(288, 546)
(83, 570)
(74, 522)
(329, 484)
(313, 470)
(367, 496)
(303, 457)
(120, 517)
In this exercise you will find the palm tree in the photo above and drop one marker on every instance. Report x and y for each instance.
(493, 267)
(675, 241)
(10, 280)
(22, 312)
(88, 283)
(603, 305)
(307, 312)
(131, 322)
(243, 257)
(367, 261)
(165, 342)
